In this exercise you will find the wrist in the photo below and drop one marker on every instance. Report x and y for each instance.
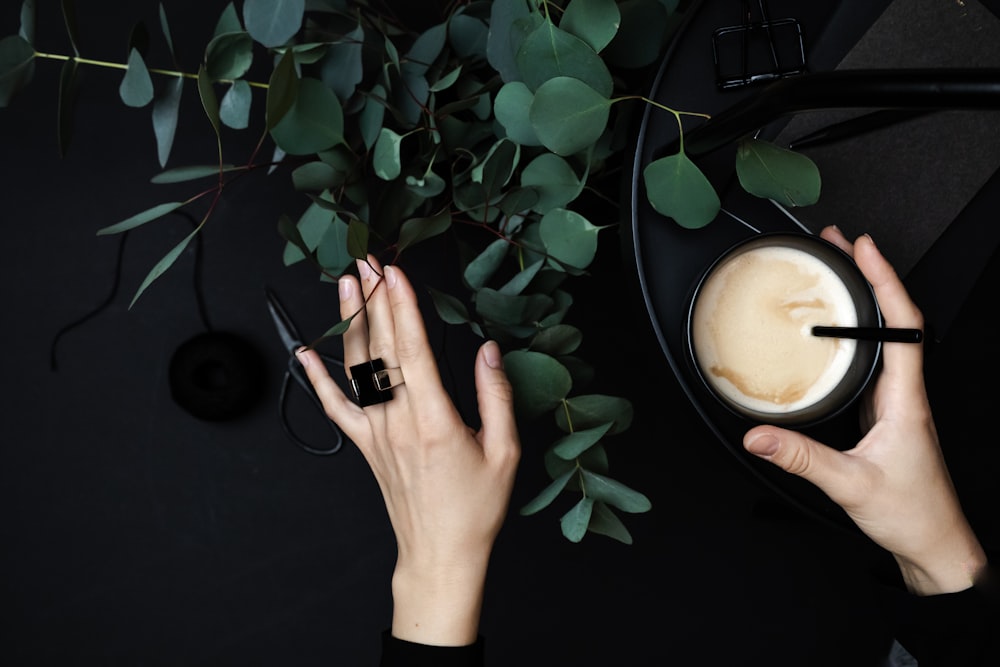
(954, 566)
(439, 604)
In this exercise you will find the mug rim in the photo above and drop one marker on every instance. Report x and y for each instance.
(808, 415)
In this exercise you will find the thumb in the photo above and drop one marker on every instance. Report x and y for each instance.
(496, 399)
(800, 455)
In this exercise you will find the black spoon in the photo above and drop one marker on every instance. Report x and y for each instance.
(884, 334)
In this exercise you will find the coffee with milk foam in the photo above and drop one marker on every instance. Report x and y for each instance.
(752, 329)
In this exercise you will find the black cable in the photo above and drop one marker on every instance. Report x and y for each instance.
(116, 283)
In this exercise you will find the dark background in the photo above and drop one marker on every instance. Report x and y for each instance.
(136, 534)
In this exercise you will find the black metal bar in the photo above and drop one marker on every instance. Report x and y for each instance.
(941, 88)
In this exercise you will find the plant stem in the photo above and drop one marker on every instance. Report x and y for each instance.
(123, 66)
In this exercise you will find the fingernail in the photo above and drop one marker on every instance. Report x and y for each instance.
(491, 352)
(764, 445)
(390, 276)
(364, 270)
(869, 237)
(344, 288)
(303, 359)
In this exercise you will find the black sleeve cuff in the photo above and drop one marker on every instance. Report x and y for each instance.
(953, 629)
(401, 653)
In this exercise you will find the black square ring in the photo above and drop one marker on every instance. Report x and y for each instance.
(372, 382)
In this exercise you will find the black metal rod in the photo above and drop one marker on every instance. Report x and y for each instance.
(936, 88)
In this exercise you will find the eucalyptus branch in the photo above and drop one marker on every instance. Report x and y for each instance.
(124, 66)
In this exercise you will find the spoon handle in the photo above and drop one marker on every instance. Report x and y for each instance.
(884, 334)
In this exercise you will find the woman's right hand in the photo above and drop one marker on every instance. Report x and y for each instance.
(894, 484)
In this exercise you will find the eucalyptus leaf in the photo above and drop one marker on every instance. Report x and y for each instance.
(425, 49)
(468, 36)
(552, 177)
(548, 494)
(234, 110)
(371, 116)
(282, 90)
(428, 186)
(592, 410)
(769, 171)
(549, 52)
(614, 493)
(594, 21)
(229, 56)
(167, 37)
(502, 40)
(574, 444)
(574, 523)
(540, 382)
(342, 67)
(316, 176)
(557, 340)
(569, 237)
(142, 218)
(449, 308)
(71, 23)
(414, 230)
(191, 173)
(522, 279)
(568, 116)
(479, 271)
(511, 107)
(446, 81)
(314, 123)
(603, 521)
(166, 112)
(228, 21)
(209, 102)
(357, 239)
(273, 22)
(386, 157)
(677, 189)
(494, 306)
(28, 21)
(136, 89)
(161, 267)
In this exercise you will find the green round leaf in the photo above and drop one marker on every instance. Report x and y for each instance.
(386, 159)
(569, 237)
(557, 340)
(594, 21)
(136, 89)
(677, 189)
(316, 176)
(282, 90)
(314, 123)
(568, 115)
(273, 22)
(772, 172)
(511, 108)
(229, 55)
(234, 110)
(507, 20)
(554, 180)
(540, 382)
(17, 66)
(549, 52)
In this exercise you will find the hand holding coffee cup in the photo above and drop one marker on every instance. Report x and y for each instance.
(750, 323)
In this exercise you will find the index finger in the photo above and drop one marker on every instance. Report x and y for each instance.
(894, 301)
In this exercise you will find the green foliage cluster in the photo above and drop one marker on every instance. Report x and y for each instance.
(493, 121)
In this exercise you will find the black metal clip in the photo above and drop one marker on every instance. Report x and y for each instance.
(756, 51)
